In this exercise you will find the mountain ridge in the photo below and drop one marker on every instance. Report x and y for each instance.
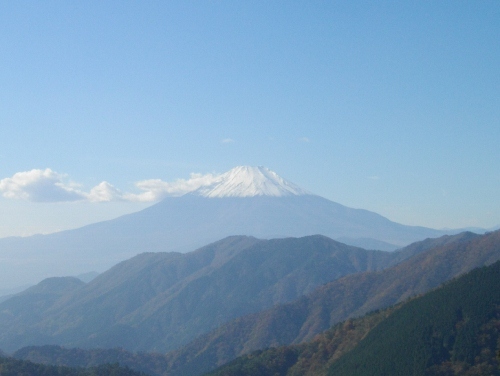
(350, 296)
(183, 295)
(185, 223)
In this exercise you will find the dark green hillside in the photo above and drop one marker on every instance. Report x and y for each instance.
(452, 330)
(15, 367)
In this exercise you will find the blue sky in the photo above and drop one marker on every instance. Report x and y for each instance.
(388, 106)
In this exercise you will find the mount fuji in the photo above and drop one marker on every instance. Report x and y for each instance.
(245, 181)
(246, 200)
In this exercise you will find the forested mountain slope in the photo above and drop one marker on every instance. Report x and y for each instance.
(350, 296)
(453, 330)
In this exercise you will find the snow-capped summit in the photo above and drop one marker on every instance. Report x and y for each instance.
(248, 181)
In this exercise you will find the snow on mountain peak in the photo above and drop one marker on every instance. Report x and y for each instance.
(248, 181)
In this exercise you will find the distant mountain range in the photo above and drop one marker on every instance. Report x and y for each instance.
(250, 201)
(160, 301)
(415, 270)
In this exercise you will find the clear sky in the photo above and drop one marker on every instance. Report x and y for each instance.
(390, 106)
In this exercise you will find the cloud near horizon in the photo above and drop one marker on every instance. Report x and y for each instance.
(49, 186)
(156, 189)
(40, 186)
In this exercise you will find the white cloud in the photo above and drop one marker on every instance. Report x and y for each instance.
(49, 186)
(374, 177)
(227, 141)
(156, 189)
(40, 186)
(104, 192)
(304, 139)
